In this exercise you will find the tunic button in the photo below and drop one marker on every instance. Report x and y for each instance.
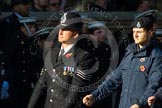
(23, 71)
(107, 49)
(53, 80)
(96, 58)
(22, 42)
(17, 36)
(1, 52)
(52, 90)
(51, 100)
(54, 70)
(23, 52)
(23, 61)
(24, 80)
(3, 63)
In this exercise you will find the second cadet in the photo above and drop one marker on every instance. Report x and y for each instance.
(139, 72)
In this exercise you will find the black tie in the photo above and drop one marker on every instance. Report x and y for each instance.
(60, 56)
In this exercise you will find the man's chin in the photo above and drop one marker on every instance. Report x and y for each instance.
(136, 42)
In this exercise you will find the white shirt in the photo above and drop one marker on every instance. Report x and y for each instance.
(66, 49)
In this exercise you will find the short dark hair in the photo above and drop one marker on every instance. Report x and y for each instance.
(91, 30)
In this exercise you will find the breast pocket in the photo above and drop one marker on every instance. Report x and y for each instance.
(144, 67)
(140, 78)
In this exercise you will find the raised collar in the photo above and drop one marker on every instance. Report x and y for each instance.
(146, 50)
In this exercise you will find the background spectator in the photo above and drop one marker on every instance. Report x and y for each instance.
(71, 5)
(40, 5)
(159, 5)
(146, 5)
(99, 5)
(103, 53)
(54, 5)
(5, 5)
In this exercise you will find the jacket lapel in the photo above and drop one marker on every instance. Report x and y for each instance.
(68, 56)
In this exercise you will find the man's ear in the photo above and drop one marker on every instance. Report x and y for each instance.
(151, 33)
(22, 29)
(76, 34)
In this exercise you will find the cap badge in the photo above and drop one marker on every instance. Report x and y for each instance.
(138, 24)
(63, 18)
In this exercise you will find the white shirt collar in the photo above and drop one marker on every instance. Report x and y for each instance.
(66, 49)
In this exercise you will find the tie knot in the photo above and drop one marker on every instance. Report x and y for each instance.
(60, 55)
(62, 52)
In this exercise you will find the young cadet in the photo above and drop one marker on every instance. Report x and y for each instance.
(26, 64)
(68, 69)
(10, 26)
(103, 53)
(139, 72)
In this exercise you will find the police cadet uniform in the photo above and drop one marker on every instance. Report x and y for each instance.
(23, 65)
(9, 32)
(27, 64)
(139, 72)
(8, 35)
(9, 26)
(153, 15)
(103, 53)
(66, 79)
(103, 50)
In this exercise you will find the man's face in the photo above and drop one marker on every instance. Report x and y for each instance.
(101, 35)
(66, 36)
(43, 2)
(23, 9)
(141, 36)
(144, 6)
(54, 5)
(32, 29)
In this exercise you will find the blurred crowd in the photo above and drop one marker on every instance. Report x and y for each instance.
(88, 5)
